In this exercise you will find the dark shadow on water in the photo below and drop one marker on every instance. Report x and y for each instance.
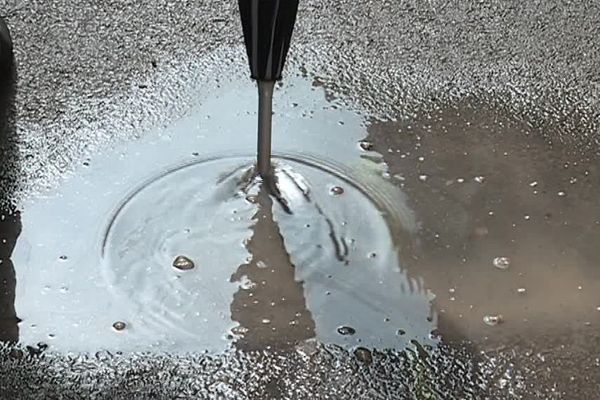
(270, 306)
(10, 221)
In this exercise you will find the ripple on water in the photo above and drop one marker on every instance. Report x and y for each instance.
(175, 264)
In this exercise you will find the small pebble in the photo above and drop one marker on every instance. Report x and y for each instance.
(183, 263)
(363, 355)
(400, 332)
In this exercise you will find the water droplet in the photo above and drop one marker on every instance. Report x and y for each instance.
(501, 262)
(363, 355)
(365, 145)
(183, 263)
(119, 326)
(346, 330)
(435, 335)
(493, 320)
(336, 190)
(423, 177)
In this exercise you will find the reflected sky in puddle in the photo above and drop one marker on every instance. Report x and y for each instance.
(262, 275)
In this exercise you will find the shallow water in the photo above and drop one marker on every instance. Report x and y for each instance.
(494, 189)
(267, 271)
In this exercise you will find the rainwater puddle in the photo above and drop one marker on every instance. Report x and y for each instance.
(169, 244)
(509, 225)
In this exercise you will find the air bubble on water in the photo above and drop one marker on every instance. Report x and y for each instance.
(119, 326)
(423, 177)
(246, 283)
(336, 190)
(501, 262)
(183, 263)
(346, 330)
(492, 319)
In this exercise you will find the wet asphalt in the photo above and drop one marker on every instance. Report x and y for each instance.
(91, 75)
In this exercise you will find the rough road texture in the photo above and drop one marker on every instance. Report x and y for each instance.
(91, 73)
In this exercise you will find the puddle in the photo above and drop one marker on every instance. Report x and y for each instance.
(260, 272)
(509, 224)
